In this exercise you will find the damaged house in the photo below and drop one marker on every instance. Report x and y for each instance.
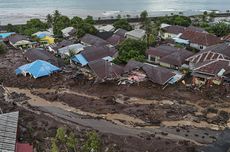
(215, 52)
(168, 56)
(212, 72)
(155, 74)
(105, 70)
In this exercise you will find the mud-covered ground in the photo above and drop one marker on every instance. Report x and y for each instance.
(177, 118)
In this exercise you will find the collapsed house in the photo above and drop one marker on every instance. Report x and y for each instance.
(138, 72)
(211, 72)
(168, 56)
(117, 37)
(68, 32)
(19, 41)
(54, 47)
(105, 70)
(67, 50)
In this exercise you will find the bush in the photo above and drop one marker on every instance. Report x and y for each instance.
(93, 143)
(2, 48)
(123, 24)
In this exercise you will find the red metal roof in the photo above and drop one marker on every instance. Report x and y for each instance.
(24, 147)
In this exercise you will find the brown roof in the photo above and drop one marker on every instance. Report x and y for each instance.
(133, 65)
(219, 51)
(226, 38)
(40, 54)
(120, 32)
(200, 38)
(115, 39)
(15, 38)
(158, 75)
(105, 70)
(174, 29)
(93, 40)
(92, 53)
(161, 50)
(214, 67)
(177, 58)
(196, 29)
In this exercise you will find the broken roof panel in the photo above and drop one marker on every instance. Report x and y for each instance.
(8, 131)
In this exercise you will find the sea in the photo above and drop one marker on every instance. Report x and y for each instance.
(19, 11)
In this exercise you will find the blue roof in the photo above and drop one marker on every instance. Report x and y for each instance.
(5, 35)
(79, 58)
(38, 68)
(42, 35)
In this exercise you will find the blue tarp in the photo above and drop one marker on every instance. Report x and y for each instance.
(79, 58)
(5, 35)
(37, 69)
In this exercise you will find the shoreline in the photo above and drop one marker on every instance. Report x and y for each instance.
(21, 18)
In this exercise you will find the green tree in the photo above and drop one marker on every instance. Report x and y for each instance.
(49, 20)
(89, 20)
(54, 147)
(131, 49)
(220, 29)
(60, 23)
(2, 48)
(122, 23)
(119, 16)
(93, 143)
(143, 16)
(71, 142)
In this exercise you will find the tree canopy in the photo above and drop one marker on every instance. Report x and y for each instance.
(131, 49)
(175, 20)
(219, 29)
(122, 23)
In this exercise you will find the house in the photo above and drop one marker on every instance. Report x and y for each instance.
(117, 37)
(155, 74)
(168, 56)
(37, 69)
(226, 38)
(93, 53)
(91, 40)
(215, 52)
(74, 48)
(105, 70)
(19, 41)
(158, 75)
(137, 34)
(104, 35)
(106, 28)
(68, 32)
(171, 31)
(47, 40)
(63, 43)
(199, 40)
(34, 54)
(211, 72)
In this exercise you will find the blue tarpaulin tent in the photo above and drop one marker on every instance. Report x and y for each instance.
(79, 58)
(37, 69)
(5, 35)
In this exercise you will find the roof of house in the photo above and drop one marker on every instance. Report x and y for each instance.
(73, 47)
(196, 29)
(92, 53)
(37, 69)
(34, 54)
(68, 30)
(177, 58)
(226, 38)
(200, 38)
(120, 32)
(155, 74)
(158, 75)
(161, 51)
(104, 35)
(20, 147)
(93, 40)
(115, 39)
(214, 67)
(138, 33)
(105, 70)
(106, 28)
(17, 37)
(133, 65)
(218, 51)
(174, 29)
(8, 131)
(5, 35)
